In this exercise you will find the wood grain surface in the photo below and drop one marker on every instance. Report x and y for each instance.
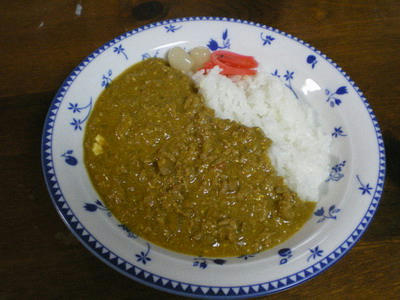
(42, 41)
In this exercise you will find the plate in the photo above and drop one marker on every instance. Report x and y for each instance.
(352, 190)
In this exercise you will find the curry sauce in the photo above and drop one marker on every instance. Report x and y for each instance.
(176, 175)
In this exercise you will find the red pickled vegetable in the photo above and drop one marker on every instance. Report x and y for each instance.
(236, 60)
(230, 70)
(231, 63)
(238, 71)
(208, 65)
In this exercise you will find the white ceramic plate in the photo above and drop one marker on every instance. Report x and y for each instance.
(353, 188)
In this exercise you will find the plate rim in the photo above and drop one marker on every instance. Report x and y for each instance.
(57, 196)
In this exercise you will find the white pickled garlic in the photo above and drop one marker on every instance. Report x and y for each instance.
(179, 59)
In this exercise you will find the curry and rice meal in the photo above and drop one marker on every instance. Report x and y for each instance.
(198, 163)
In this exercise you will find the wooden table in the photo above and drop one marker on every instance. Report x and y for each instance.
(42, 41)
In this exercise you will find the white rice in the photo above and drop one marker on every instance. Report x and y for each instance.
(300, 151)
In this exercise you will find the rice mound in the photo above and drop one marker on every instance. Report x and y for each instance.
(300, 150)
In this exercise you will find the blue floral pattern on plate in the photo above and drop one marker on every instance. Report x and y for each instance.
(172, 28)
(286, 254)
(266, 39)
(364, 188)
(312, 60)
(226, 43)
(143, 256)
(77, 123)
(336, 172)
(332, 211)
(315, 253)
(69, 158)
(147, 55)
(333, 98)
(97, 205)
(106, 79)
(120, 50)
(337, 132)
(202, 262)
(288, 76)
